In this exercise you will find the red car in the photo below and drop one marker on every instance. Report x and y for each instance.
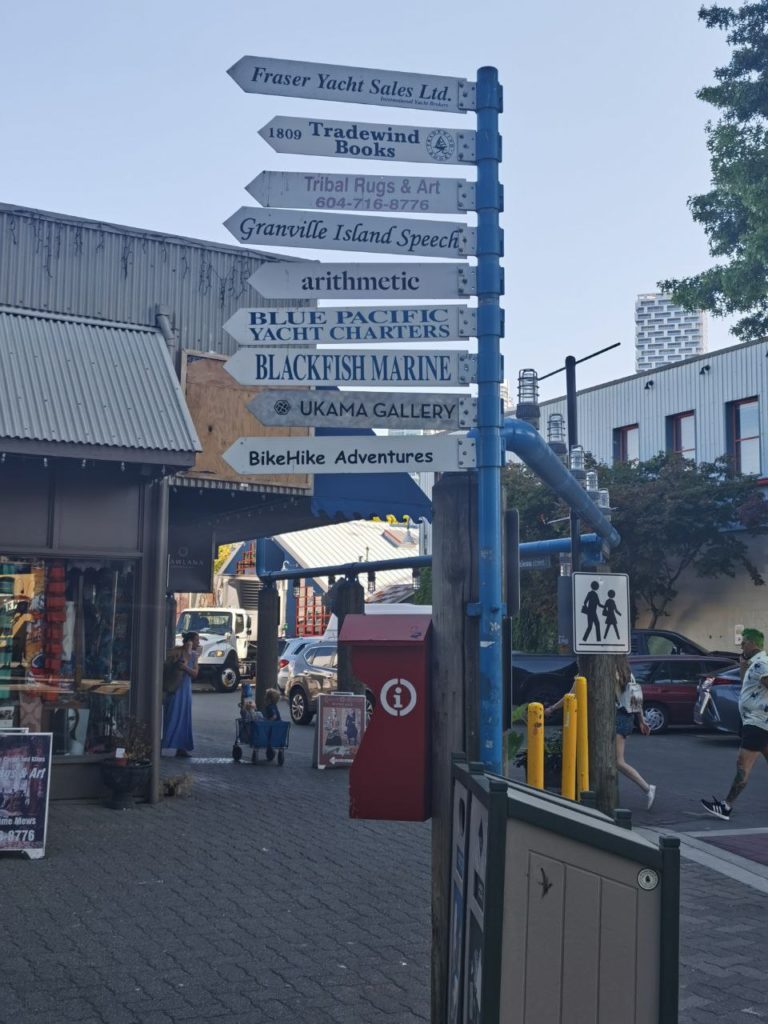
(670, 685)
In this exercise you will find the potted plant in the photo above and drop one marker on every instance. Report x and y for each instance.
(127, 774)
(553, 759)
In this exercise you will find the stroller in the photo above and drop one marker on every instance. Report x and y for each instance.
(271, 736)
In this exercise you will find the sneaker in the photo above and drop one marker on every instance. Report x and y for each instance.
(651, 796)
(718, 808)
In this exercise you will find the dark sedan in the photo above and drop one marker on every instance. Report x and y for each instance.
(717, 704)
(670, 685)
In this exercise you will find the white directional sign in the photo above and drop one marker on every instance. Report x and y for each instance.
(270, 455)
(404, 237)
(601, 613)
(289, 367)
(353, 85)
(362, 192)
(365, 280)
(420, 411)
(364, 141)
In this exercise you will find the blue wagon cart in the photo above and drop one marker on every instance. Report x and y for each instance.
(269, 736)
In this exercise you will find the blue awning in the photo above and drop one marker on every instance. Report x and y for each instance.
(363, 495)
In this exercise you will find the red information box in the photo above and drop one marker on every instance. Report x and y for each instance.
(390, 776)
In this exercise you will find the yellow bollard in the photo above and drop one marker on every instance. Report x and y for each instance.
(582, 741)
(535, 760)
(570, 723)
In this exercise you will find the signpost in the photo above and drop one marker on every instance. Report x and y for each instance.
(254, 456)
(365, 141)
(299, 325)
(420, 411)
(365, 280)
(306, 80)
(601, 613)
(318, 190)
(402, 236)
(330, 367)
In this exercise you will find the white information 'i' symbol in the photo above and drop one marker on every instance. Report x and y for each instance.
(398, 697)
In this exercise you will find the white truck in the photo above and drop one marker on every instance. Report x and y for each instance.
(228, 644)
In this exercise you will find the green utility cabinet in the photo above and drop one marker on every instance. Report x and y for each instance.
(558, 914)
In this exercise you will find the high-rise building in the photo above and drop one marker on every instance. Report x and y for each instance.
(666, 333)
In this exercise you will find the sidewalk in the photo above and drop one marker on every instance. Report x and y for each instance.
(255, 899)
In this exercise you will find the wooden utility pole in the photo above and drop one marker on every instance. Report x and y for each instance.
(455, 689)
(600, 671)
(266, 642)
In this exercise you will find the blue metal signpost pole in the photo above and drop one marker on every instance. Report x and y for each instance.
(489, 413)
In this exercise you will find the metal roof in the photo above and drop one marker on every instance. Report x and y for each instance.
(88, 382)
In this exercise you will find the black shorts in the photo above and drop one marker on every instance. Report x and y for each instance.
(754, 738)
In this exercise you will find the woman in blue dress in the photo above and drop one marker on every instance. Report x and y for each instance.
(177, 707)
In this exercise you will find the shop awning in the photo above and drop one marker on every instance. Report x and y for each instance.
(78, 387)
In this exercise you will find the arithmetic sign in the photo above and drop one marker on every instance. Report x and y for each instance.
(255, 456)
(601, 613)
(362, 192)
(420, 411)
(364, 280)
(364, 141)
(404, 237)
(301, 325)
(288, 367)
(302, 79)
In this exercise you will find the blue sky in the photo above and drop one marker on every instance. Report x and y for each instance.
(125, 113)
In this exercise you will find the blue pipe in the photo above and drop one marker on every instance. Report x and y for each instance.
(524, 440)
(490, 457)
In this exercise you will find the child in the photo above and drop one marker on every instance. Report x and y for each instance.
(271, 714)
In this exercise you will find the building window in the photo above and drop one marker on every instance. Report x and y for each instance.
(744, 436)
(681, 435)
(65, 650)
(626, 443)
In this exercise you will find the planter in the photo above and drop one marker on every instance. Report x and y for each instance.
(126, 781)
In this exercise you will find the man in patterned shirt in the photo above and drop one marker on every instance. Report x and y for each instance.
(753, 708)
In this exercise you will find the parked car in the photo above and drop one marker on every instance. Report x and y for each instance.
(287, 658)
(315, 672)
(717, 704)
(670, 685)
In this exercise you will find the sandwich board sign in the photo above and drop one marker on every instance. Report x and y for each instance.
(358, 409)
(414, 144)
(302, 325)
(254, 456)
(601, 613)
(289, 367)
(370, 193)
(307, 80)
(254, 226)
(394, 281)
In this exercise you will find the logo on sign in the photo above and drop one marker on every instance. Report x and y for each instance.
(440, 145)
(398, 697)
(282, 407)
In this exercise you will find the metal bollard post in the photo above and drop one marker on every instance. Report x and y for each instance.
(570, 725)
(582, 736)
(535, 759)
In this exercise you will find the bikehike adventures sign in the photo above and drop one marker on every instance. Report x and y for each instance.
(299, 325)
(306, 80)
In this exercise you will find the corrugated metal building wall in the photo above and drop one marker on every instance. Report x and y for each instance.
(703, 385)
(64, 264)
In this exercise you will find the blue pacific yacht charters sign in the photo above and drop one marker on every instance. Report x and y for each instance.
(305, 80)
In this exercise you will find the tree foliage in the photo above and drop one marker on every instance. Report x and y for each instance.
(734, 213)
(675, 516)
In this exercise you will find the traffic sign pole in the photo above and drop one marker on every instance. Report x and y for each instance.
(489, 447)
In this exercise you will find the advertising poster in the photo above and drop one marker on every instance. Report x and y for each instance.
(25, 779)
(340, 728)
(461, 800)
(475, 911)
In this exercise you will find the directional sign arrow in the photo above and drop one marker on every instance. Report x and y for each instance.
(353, 85)
(292, 367)
(256, 456)
(362, 192)
(365, 280)
(334, 760)
(349, 231)
(364, 141)
(300, 325)
(412, 411)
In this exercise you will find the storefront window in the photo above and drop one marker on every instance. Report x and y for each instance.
(65, 650)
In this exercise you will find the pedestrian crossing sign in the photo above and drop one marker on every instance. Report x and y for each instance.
(601, 614)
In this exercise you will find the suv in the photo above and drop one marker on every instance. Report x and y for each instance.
(287, 658)
(315, 672)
